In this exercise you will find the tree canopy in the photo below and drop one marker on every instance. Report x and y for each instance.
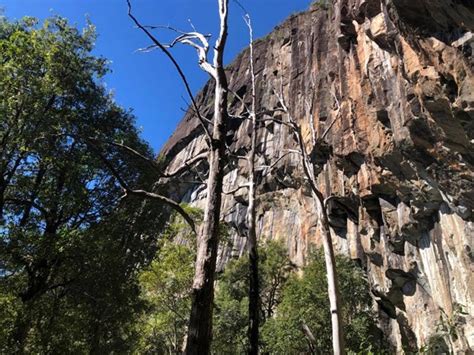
(70, 246)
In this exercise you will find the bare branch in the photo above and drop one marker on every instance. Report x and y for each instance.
(334, 120)
(222, 39)
(244, 186)
(202, 49)
(254, 288)
(176, 65)
(309, 108)
(192, 25)
(132, 151)
(239, 4)
(240, 98)
(333, 291)
(199, 336)
(271, 119)
(241, 157)
(309, 337)
(269, 168)
(189, 107)
(326, 131)
(129, 191)
(171, 203)
(307, 166)
(294, 151)
(147, 49)
(280, 97)
(191, 182)
(187, 164)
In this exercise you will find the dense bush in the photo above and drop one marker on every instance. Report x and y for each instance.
(304, 302)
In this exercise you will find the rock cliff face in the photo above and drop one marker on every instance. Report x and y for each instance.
(384, 92)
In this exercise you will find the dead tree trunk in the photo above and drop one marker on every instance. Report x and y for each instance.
(254, 287)
(252, 244)
(199, 335)
(200, 324)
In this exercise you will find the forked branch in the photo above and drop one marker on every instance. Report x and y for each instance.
(129, 191)
(176, 65)
(202, 48)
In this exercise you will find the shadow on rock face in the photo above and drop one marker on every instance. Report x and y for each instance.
(409, 343)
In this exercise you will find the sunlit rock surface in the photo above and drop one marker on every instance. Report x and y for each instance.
(384, 92)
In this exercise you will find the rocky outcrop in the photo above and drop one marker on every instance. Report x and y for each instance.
(384, 93)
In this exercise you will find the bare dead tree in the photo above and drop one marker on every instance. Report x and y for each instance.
(308, 169)
(254, 287)
(251, 213)
(200, 324)
(163, 48)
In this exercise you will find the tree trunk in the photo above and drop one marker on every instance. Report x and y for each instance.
(200, 324)
(254, 287)
(330, 261)
(20, 331)
(333, 289)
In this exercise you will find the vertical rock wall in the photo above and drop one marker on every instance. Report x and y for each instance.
(384, 92)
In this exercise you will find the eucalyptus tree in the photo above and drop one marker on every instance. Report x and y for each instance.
(309, 170)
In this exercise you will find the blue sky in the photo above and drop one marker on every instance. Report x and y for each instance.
(146, 82)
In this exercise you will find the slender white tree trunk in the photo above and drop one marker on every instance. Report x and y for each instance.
(254, 286)
(329, 258)
(333, 289)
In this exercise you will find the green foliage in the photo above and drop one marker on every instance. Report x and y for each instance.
(9, 307)
(70, 247)
(289, 300)
(231, 309)
(275, 270)
(179, 230)
(72, 251)
(231, 313)
(305, 301)
(446, 331)
(167, 286)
